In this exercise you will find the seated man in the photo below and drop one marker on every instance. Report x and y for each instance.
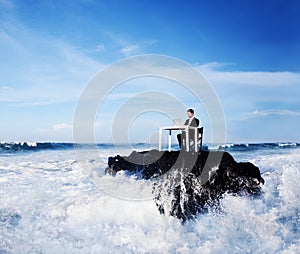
(191, 121)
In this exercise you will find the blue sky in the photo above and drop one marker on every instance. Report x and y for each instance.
(248, 50)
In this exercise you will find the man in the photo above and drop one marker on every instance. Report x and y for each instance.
(191, 121)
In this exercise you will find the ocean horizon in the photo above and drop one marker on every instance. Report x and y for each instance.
(18, 146)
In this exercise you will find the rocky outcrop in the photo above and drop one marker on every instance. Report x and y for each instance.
(188, 183)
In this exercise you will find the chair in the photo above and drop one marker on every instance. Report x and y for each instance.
(200, 138)
(199, 141)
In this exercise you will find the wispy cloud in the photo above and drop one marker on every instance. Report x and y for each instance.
(130, 50)
(264, 113)
(249, 78)
(41, 70)
(61, 126)
(128, 47)
(55, 128)
(100, 47)
(245, 91)
(46, 70)
(7, 4)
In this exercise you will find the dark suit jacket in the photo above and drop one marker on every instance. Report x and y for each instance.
(194, 123)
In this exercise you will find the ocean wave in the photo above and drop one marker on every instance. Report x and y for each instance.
(287, 144)
(14, 147)
(61, 211)
(253, 146)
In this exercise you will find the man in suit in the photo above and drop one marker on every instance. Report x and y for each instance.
(191, 121)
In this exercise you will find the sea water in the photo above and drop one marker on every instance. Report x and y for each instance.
(49, 205)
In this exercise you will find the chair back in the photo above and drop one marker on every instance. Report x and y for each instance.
(200, 132)
(200, 137)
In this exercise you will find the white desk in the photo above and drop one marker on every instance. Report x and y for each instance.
(178, 128)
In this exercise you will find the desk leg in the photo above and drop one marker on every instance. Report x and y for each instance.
(159, 139)
(187, 140)
(170, 140)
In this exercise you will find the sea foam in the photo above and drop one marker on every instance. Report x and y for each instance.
(49, 205)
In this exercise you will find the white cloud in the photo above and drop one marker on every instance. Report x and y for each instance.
(283, 112)
(41, 70)
(245, 91)
(250, 78)
(128, 47)
(100, 47)
(61, 126)
(6, 87)
(131, 50)
(55, 128)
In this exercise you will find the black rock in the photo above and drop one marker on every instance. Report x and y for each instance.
(187, 183)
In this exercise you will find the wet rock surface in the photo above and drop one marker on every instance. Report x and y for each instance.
(187, 183)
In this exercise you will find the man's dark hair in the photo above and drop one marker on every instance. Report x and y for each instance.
(190, 110)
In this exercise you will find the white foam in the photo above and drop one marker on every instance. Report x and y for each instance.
(22, 143)
(287, 144)
(63, 212)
